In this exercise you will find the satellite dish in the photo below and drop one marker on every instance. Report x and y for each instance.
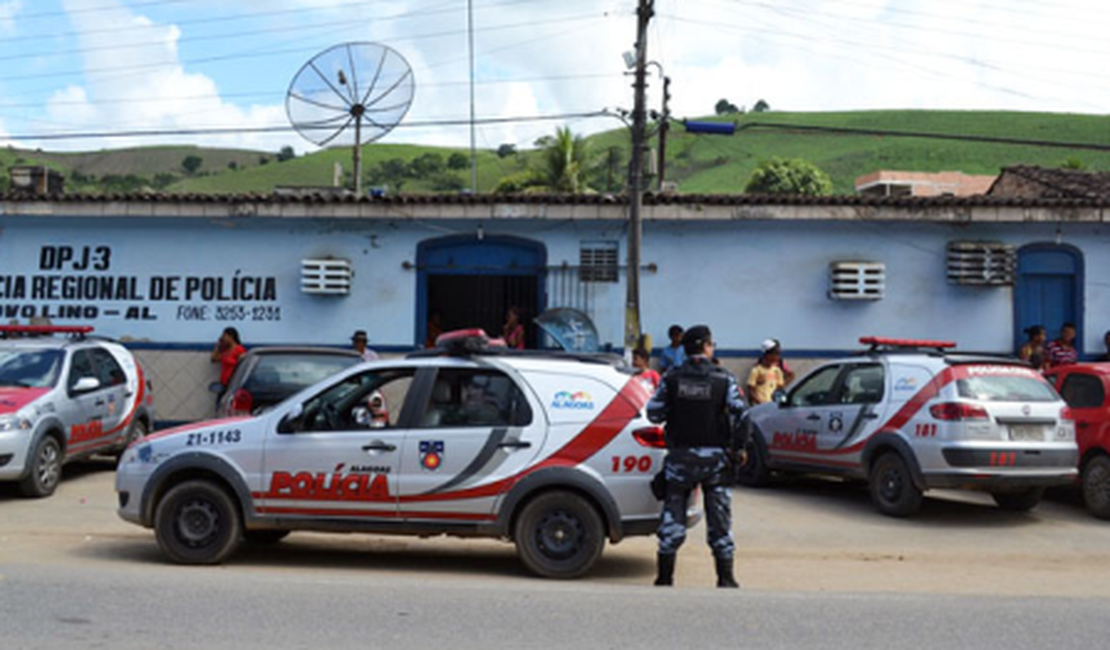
(350, 94)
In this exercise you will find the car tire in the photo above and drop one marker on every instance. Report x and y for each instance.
(265, 536)
(1096, 486)
(754, 472)
(1020, 500)
(196, 522)
(892, 488)
(136, 432)
(46, 469)
(559, 535)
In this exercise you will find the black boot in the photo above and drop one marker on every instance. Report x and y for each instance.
(665, 575)
(725, 578)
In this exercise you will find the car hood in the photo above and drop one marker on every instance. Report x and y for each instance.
(13, 398)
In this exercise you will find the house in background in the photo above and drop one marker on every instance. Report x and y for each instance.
(1027, 182)
(925, 184)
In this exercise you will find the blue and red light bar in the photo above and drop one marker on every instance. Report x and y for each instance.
(46, 329)
(467, 340)
(880, 341)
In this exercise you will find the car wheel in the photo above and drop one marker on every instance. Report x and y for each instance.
(196, 522)
(753, 472)
(1096, 487)
(1019, 501)
(265, 537)
(892, 488)
(46, 469)
(559, 535)
(137, 432)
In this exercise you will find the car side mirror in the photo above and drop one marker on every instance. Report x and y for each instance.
(291, 422)
(85, 385)
(782, 400)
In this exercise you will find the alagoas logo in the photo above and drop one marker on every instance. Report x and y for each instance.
(580, 401)
(321, 486)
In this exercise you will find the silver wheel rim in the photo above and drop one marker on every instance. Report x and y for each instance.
(48, 468)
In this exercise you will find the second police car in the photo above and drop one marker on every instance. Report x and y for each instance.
(907, 417)
(551, 451)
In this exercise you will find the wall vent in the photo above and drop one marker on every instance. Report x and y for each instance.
(598, 261)
(982, 264)
(857, 280)
(328, 277)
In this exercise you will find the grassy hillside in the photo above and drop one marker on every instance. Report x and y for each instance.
(699, 163)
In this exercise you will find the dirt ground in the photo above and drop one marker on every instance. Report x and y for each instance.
(799, 536)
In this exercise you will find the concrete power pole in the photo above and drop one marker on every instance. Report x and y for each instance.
(632, 326)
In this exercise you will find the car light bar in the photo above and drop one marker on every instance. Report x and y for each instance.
(468, 340)
(46, 329)
(877, 341)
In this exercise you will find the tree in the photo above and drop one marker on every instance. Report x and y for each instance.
(426, 165)
(565, 163)
(794, 176)
(192, 163)
(458, 161)
(1073, 163)
(761, 107)
(286, 153)
(725, 107)
(505, 150)
(518, 182)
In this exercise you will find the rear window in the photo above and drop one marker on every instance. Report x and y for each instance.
(295, 371)
(1018, 385)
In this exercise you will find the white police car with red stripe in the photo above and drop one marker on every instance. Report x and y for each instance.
(63, 399)
(550, 450)
(908, 416)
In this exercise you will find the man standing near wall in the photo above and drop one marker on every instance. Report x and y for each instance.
(695, 400)
(358, 341)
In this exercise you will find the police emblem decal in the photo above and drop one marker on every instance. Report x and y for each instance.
(431, 454)
(836, 422)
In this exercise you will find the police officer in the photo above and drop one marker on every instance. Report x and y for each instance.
(695, 400)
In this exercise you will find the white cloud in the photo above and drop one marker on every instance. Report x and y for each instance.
(8, 12)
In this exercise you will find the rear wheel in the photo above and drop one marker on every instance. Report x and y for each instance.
(196, 522)
(559, 535)
(753, 472)
(1096, 487)
(46, 469)
(1019, 501)
(892, 488)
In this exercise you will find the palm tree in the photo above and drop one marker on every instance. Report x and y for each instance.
(565, 164)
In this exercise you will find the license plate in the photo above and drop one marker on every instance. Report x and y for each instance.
(1026, 433)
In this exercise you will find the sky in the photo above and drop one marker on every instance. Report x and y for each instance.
(109, 66)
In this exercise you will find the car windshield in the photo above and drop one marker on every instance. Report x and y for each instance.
(292, 372)
(1006, 388)
(30, 368)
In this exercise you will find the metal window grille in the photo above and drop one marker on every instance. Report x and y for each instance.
(326, 277)
(983, 264)
(857, 280)
(598, 261)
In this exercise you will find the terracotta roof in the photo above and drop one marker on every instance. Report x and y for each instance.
(1060, 183)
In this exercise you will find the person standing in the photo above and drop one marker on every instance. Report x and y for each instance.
(673, 355)
(695, 401)
(359, 341)
(1106, 343)
(766, 377)
(641, 361)
(1062, 352)
(227, 352)
(513, 330)
(1032, 352)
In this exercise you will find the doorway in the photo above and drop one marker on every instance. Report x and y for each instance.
(1049, 290)
(466, 282)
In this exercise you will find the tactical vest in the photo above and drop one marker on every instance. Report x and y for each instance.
(697, 416)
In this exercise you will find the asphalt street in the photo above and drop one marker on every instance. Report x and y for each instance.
(819, 568)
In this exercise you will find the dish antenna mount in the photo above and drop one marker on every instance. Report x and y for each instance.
(354, 94)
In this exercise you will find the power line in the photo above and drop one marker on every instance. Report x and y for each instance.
(99, 8)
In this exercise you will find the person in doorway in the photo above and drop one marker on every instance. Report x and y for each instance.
(435, 329)
(641, 361)
(1062, 352)
(227, 352)
(695, 400)
(1106, 343)
(1032, 351)
(673, 355)
(359, 341)
(766, 377)
(513, 330)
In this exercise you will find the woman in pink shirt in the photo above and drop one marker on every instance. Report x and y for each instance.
(513, 331)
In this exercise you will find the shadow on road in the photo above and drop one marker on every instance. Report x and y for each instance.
(372, 554)
(72, 472)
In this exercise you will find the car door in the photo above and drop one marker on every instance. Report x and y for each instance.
(475, 429)
(338, 455)
(84, 411)
(793, 429)
(113, 393)
(856, 403)
(1085, 395)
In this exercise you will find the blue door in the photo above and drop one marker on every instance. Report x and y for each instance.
(465, 282)
(1049, 290)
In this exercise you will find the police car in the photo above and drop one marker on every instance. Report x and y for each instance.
(550, 450)
(63, 399)
(909, 416)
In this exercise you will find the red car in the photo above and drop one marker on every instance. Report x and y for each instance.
(1086, 387)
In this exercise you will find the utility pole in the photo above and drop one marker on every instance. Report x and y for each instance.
(664, 126)
(473, 149)
(632, 328)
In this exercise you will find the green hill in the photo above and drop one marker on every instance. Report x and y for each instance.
(698, 163)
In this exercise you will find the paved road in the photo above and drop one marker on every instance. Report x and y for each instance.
(820, 569)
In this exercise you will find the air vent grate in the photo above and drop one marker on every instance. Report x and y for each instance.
(984, 264)
(328, 277)
(857, 280)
